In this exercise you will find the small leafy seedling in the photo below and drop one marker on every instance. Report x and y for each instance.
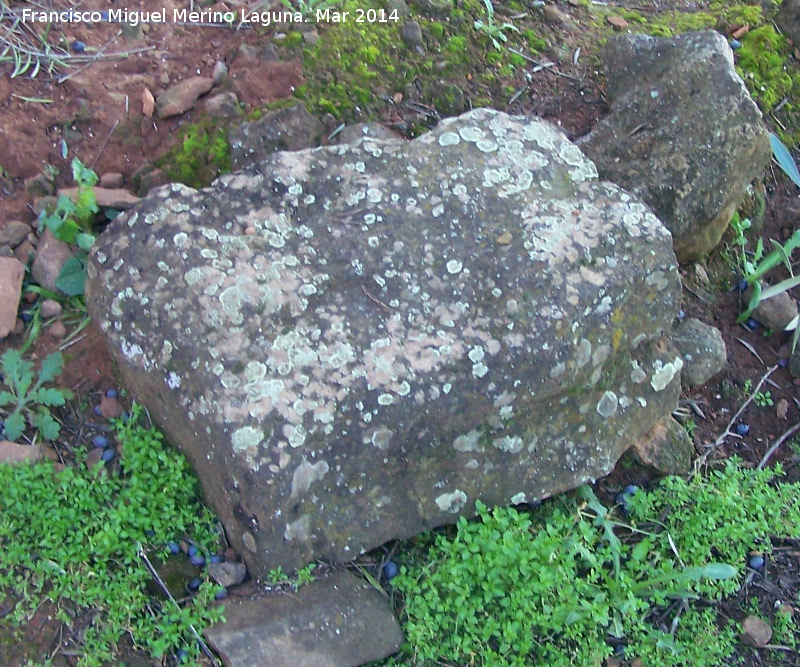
(71, 222)
(495, 32)
(31, 402)
(763, 399)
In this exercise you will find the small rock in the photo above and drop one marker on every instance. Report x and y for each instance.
(6, 251)
(11, 274)
(223, 105)
(57, 330)
(163, 78)
(182, 96)
(115, 198)
(411, 33)
(774, 313)
(555, 16)
(702, 275)
(49, 260)
(757, 632)
(14, 233)
(311, 37)
(344, 618)
(219, 73)
(227, 574)
(505, 238)
(40, 185)
(782, 408)
(12, 453)
(702, 349)
(112, 180)
(24, 251)
(617, 22)
(110, 408)
(50, 308)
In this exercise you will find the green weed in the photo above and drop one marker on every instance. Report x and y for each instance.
(30, 401)
(74, 538)
(552, 585)
(71, 222)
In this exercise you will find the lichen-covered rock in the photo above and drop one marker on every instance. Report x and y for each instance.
(682, 133)
(702, 349)
(355, 343)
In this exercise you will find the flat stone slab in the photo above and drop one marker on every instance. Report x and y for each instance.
(336, 621)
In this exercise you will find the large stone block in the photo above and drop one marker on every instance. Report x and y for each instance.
(355, 343)
(683, 133)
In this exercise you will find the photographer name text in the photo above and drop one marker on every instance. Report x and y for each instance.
(208, 18)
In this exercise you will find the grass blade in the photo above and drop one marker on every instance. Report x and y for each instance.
(784, 158)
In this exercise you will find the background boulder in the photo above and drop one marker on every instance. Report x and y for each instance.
(683, 133)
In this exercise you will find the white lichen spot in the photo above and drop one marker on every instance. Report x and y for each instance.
(518, 498)
(373, 241)
(436, 211)
(381, 437)
(245, 438)
(476, 354)
(298, 530)
(486, 146)
(180, 239)
(558, 370)
(452, 502)
(249, 542)
(479, 370)
(468, 442)
(454, 266)
(385, 399)
(449, 139)
(607, 405)
(306, 474)
(471, 133)
(509, 443)
(446, 387)
(173, 380)
(664, 373)
(374, 196)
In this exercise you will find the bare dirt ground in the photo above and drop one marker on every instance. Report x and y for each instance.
(97, 112)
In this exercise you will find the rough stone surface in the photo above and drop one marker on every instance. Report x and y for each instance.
(13, 233)
(49, 260)
(757, 632)
(182, 96)
(683, 133)
(227, 573)
(50, 308)
(666, 448)
(788, 20)
(335, 621)
(368, 361)
(11, 275)
(12, 453)
(702, 349)
(112, 180)
(289, 129)
(353, 133)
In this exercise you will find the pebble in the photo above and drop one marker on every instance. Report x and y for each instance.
(12, 273)
(112, 180)
(194, 584)
(78, 46)
(14, 233)
(735, 44)
(110, 408)
(756, 562)
(390, 569)
(174, 548)
(101, 441)
(219, 73)
(197, 560)
(57, 330)
(107, 455)
(112, 393)
(411, 33)
(50, 308)
(227, 573)
(221, 594)
(742, 428)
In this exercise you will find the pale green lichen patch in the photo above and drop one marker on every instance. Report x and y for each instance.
(343, 325)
